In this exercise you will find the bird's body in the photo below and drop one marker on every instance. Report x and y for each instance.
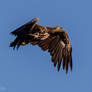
(54, 39)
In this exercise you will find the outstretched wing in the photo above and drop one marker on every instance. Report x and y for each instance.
(60, 51)
(22, 32)
(25, 28)
(53, 39)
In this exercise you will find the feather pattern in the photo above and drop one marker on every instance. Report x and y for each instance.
(54, 39)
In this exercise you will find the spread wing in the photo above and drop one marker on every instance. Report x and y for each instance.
(25, 28)
(54, 40)
(60, 52)
(22, 32)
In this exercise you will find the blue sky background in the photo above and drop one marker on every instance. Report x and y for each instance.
(29, 69)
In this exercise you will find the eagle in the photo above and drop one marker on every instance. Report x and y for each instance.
(53, 39)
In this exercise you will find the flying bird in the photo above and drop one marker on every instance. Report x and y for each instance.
(54, 39)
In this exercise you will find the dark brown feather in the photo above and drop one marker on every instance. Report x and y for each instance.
(53, 39)
(57, 54)
(70, 60)
(34, 42)
(60, 57)
(67, 64)
(52, 47)
(54, 52)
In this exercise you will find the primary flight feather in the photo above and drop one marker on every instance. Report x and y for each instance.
(54, 39)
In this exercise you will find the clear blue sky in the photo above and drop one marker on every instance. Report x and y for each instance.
(29, 69)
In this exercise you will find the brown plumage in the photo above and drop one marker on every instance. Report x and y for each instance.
(53, 39)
